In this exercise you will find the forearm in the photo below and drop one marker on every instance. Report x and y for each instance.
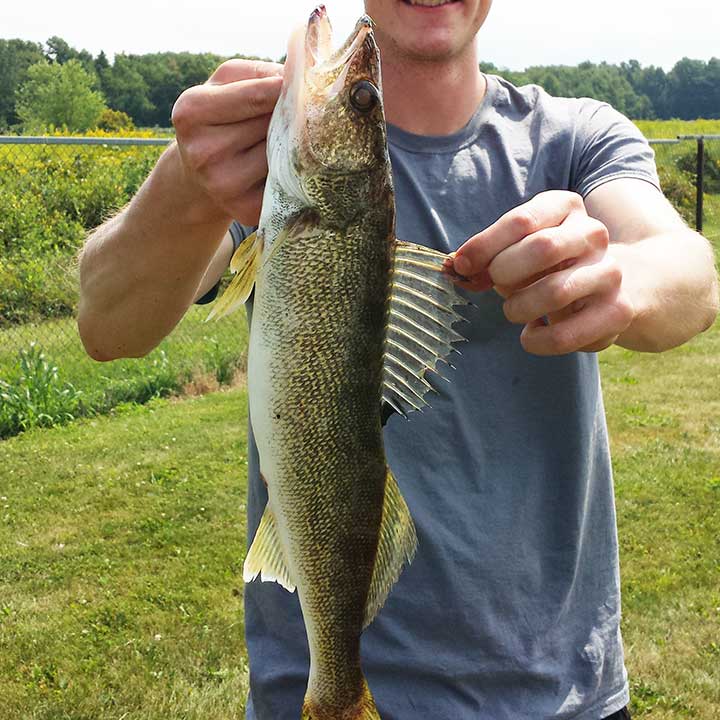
(141, 270)
(671, 282)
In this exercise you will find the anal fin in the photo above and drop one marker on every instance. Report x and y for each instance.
(244, 265)
(396, 546)
(266, 557)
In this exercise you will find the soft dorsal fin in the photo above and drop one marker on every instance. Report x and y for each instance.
(397, 545)
(419, 332)
(244, 265)
(266, 557)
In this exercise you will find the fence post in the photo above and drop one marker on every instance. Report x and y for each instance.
(700, 184)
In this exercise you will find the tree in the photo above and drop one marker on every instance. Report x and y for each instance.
(694, 89)
(168, 74)
(101, 63)
(16, 56)
(60, 51)
(126, 90)
(60, 96)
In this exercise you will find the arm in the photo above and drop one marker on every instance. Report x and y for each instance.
(219, 263)
(140, 271)
(621, 268)
(667, 269)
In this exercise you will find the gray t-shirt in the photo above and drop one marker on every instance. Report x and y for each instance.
(511, 608)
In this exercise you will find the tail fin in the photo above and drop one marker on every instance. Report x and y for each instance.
(363, 709)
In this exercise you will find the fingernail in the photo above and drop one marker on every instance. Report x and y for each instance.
(462, 265)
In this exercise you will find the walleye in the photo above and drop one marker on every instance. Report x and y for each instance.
(347, 321)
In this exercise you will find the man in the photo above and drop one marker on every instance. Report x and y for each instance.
(511, 608)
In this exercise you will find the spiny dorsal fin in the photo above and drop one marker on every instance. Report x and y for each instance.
(244, 265)
(397, 545)
(266, 557)
(419, 332)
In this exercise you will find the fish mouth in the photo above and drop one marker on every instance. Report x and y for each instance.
(319, 54)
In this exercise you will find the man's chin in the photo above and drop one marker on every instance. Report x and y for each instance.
(428, 49)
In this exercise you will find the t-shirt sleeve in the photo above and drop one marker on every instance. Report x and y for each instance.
(607, 147)
(238, 233)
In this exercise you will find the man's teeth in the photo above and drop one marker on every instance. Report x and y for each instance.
(430, 3)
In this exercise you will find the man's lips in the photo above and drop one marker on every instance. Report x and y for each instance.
(430, 4)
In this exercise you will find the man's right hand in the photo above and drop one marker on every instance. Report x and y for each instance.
(221, 130)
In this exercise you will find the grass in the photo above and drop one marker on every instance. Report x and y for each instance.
(673, 128)
(201, 355)
(120, 575)
(664, 416)
(123, 539)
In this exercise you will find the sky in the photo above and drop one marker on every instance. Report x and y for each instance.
(518, 33)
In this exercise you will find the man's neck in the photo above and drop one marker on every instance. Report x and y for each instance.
(432, 98)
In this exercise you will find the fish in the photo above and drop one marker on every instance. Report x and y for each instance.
(347, 324)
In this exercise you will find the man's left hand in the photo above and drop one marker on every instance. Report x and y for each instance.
(549, 259)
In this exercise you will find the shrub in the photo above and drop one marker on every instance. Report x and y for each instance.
(115, 121)
(34, 288)
(36, 397)
(688, 163)
(50, 196)
(679, 188)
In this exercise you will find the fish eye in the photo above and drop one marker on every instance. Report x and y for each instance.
(364, 96)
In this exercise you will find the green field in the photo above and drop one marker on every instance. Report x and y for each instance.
(123, 537)
(672, 128)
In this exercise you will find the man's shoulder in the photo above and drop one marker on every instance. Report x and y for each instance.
(522, 101)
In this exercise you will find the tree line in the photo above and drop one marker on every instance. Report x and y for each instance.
(691, 90)
(54, 84)
(35, 79)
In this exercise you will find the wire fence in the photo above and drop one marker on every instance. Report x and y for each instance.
(54, 189)
(675, 157)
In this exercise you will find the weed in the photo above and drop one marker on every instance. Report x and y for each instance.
(37, 397)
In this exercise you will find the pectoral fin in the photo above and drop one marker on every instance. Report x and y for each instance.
(244, 264)
(419, 332)
(396, 546)
(266, 557)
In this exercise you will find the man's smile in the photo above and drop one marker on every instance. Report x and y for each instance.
(430, 3)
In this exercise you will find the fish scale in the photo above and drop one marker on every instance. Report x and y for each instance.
(326, 367)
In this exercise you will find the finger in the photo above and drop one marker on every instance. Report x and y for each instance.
(246, 207)
(238, 174)
(477, 283)
(238, 69)
(253, 164)
(226, 104)
(218, 144)
(563, 289)
(545, 210)
(608, 317)
(535, 255)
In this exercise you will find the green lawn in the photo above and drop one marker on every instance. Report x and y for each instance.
(123, 539)
(120, 574)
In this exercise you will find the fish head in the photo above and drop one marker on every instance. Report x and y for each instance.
(329, 128)
(344, 128)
